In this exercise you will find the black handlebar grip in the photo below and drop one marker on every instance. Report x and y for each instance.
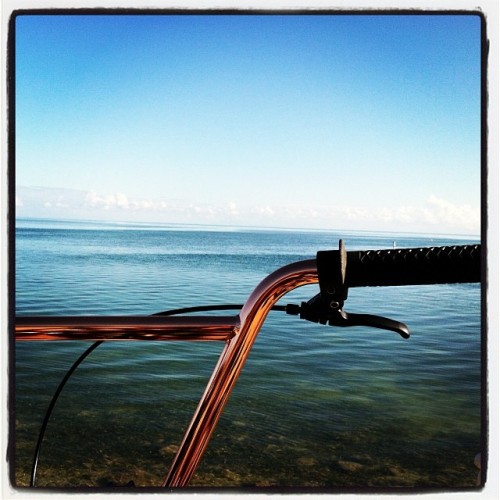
(414, 266)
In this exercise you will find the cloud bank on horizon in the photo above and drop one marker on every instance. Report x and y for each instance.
(434, 215)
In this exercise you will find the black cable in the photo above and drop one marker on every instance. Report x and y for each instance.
(213, 307)
(53, 403)
(77, 363)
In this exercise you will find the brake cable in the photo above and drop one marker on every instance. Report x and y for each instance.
(51, 407)
(216, 307)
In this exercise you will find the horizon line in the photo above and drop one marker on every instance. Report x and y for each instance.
(246, 227)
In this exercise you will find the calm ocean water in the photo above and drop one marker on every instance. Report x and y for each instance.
(315, 406)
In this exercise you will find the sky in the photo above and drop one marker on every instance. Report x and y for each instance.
(354, 122)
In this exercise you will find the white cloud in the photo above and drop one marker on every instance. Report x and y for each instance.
(232, 208)
(116, 200)
(121, 200)
(443, 212)
(267, 210)
(92, 199)
(55, 204)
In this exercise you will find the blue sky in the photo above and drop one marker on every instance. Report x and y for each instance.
(325, 121)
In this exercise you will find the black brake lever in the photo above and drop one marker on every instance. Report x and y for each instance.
(317, 311)
(342, 318)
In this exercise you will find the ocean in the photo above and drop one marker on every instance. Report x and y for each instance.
(315, 407)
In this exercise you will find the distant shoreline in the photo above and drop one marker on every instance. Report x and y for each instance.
(54, 223)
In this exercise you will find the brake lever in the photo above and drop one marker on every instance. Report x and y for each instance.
(317, 311)
(343, 318)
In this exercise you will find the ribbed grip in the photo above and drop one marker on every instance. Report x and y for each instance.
(414, 266)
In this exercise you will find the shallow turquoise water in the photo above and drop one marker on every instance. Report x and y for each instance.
(314, 407)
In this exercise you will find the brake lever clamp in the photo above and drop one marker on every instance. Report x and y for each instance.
(326, 307)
